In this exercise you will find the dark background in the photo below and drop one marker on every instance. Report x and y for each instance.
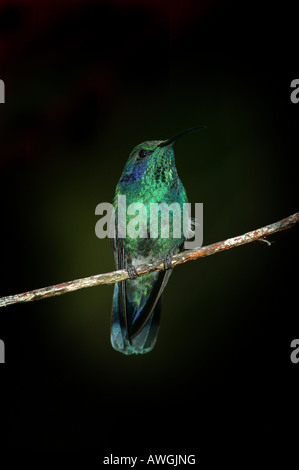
(86, 82)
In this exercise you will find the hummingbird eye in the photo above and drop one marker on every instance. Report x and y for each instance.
(143, 153)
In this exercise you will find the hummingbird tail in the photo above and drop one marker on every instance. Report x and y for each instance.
(142, 342)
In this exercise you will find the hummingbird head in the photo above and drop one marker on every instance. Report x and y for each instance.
(152, 164)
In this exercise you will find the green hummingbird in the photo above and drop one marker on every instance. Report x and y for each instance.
(149, 176)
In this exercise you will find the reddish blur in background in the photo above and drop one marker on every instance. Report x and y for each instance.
(85, 81)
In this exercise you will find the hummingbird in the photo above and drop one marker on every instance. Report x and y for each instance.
(149, 176)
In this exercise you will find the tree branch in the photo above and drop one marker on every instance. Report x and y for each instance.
(189, 255)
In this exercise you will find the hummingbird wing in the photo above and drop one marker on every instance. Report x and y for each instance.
(142, 310)
(147, 309)
(136, 309)
(122, 303)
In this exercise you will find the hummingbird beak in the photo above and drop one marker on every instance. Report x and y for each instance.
(173, 139)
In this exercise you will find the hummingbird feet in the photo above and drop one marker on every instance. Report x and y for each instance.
(132, 271)
(167, 262)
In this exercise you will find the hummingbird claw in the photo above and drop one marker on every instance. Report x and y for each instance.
(132, 271)
(167, 262)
